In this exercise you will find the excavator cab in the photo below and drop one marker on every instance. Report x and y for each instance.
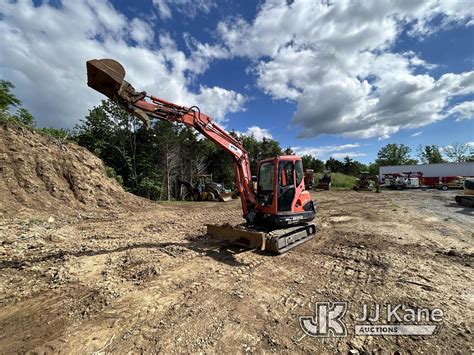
(281, 196)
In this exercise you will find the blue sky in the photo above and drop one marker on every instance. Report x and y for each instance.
(343, 78)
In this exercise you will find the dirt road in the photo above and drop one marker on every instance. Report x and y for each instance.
(150, 281)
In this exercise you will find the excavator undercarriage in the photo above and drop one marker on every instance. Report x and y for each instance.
(255, 237)
(468, 198)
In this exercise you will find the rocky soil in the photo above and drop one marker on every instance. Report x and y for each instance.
(151, 281)
(44, 174)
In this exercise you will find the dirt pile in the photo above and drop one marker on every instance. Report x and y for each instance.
(42, 173)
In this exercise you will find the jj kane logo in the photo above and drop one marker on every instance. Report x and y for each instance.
(327, 320)
(373, 320)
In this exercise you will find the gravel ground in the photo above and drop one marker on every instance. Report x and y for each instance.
(151, 281)
(439, 203)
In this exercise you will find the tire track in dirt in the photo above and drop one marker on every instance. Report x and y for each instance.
(194, 292)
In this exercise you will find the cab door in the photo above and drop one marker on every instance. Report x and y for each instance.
(286, 185)
(265, 186)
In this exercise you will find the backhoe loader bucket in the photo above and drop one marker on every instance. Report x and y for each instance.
(106, 76)
(225, 196)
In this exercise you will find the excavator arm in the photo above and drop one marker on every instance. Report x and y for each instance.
(107, 76)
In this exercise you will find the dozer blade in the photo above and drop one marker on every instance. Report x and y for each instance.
(106, 76)
(278, 241)
(239, 235)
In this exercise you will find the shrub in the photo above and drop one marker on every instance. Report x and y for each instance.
(112, 174)
(149, 188)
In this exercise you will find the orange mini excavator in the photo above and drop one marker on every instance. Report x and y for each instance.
(277, 214)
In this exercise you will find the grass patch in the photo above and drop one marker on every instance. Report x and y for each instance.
(33, 222)
(339, 181)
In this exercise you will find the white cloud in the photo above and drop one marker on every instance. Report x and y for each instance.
(342, 155)
(452, 12)
(141, 32)
(206, 50)
(163, 9)
(218, 102)
(258, 133)
(335, 151)
(46, 58)
(334, 61)
(188, 8)
(462, 111)
(416, 134)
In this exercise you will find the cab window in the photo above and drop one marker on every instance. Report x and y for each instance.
(299, 172)
(265, 177)
(285, 176)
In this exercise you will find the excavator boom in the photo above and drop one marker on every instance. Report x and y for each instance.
(107, 77)
(292, 209)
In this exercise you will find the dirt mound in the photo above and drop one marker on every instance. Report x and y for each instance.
(42, 173)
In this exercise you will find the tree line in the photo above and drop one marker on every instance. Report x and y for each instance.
(149, 161)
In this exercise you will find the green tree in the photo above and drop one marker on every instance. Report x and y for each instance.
(219, 164)
(310, 162)
(24, 117)
(373, 168)
(334, 165)
(194, 153)
(269, 148)
(317, 166)
(7, 99)
(259, 150)
(254, 150)
(394, 154)
(430, 154)
(149, 187)
(353, 167)
(458, 152)
(95, 130)
(168, 149)
(110, 132)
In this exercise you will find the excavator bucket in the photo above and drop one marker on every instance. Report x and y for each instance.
(106, 76)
